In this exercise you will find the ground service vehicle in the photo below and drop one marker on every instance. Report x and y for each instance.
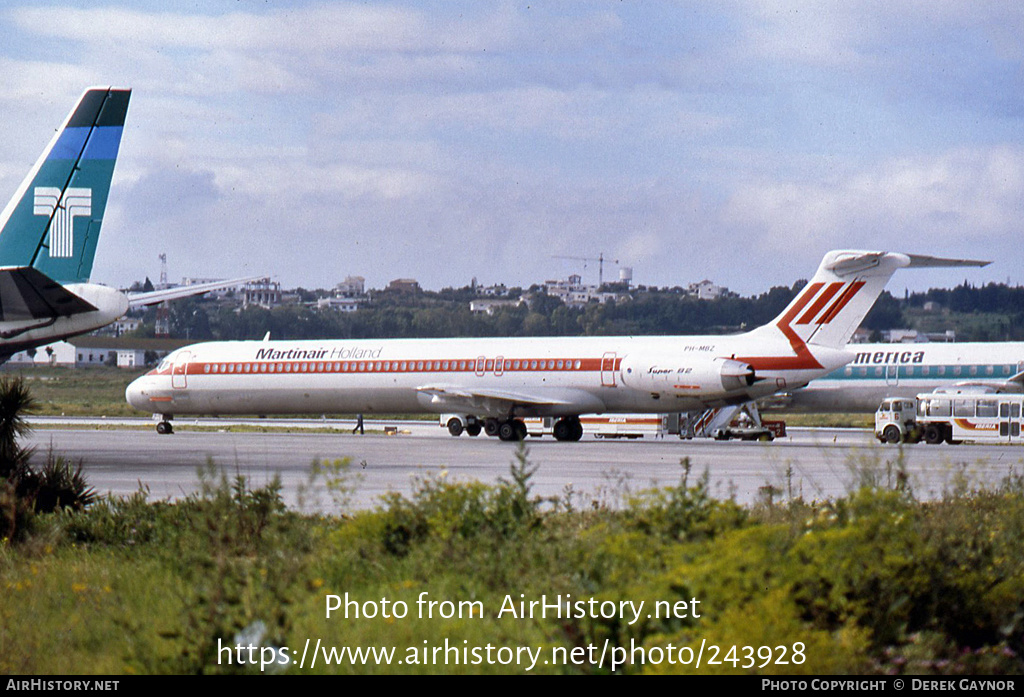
(896, 421)
(959, 417)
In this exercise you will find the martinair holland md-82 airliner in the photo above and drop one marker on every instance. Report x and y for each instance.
(501, 380)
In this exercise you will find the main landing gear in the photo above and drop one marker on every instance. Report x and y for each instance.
(508, 430)
(568, 428)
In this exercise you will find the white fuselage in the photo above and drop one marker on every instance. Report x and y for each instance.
(499, 377)
(22, 334)
(877, 371)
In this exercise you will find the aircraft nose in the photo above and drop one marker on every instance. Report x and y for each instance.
(136, 393)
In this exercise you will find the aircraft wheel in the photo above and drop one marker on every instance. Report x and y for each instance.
(568, 428)
(455, 426)
(521, 431)
(507, 430)
(473, 429)
(491, 427)
(164, 427)
(891, 435)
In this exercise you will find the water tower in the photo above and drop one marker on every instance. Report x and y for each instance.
(626, 275)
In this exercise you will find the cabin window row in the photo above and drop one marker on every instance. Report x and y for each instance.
(924, 371)
(970, 408)
(394, 366)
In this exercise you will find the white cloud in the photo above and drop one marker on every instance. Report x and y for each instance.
(956, 200)
(338, 26)
(53, 81)
(684, 147)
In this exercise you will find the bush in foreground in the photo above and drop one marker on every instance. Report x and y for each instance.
(873, 582)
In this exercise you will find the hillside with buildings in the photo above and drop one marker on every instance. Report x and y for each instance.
(565, 307)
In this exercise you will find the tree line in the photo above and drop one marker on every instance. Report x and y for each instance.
(446, 313)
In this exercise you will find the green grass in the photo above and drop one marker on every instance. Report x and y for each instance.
(874, 582)
(61, 391)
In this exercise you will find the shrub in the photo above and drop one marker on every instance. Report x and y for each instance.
(441, 508)
(684, 512)
(58, 485)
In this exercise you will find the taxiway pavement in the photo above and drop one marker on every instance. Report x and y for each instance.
(812, 463)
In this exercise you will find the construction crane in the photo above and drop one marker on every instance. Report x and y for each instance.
(163, 310)
(600, 264)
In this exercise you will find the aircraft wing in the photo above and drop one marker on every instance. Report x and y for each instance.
(29, 294)
(158, 296)
(501, 395)
(1010, 384)
(498, 401)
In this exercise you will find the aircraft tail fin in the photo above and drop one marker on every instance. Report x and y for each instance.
(53, 221)
(832, 305)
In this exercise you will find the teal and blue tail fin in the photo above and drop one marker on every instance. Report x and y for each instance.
(53, 221)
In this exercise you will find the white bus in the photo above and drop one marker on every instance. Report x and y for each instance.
(975, 418)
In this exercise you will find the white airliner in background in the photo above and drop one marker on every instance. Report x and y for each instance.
(877, 371)
(502, 379)
(50, 228)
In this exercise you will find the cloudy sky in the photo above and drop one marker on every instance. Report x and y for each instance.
(446, 140)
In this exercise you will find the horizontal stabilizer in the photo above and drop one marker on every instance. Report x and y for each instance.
(918, 261)
(28, 294)
(158, 296)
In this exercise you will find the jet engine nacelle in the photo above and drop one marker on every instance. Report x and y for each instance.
(696, 376)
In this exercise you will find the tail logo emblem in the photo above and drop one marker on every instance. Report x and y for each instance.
(74, 203)
(817, 313)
